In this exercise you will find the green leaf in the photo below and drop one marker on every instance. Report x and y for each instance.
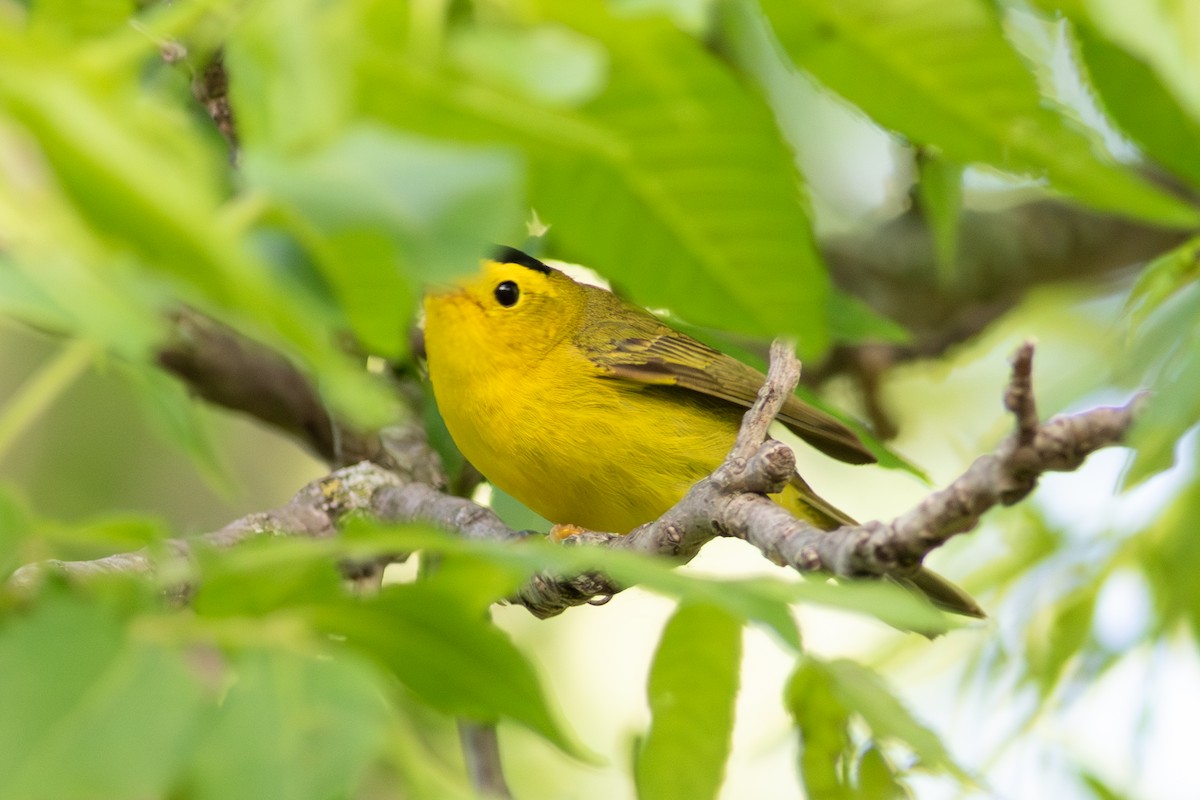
(42, 390)
(79, 19)
(692, 689)
(293, 77)
(852, 321)
(864, 692)
(141, 201)
(761, 600)
(1100, 789)
(1134, 96)
(266, 574)
(1169, 556)
(451, 657)
(1165, 357)
(1161, 279)
(16, 527)
(385, 211)
(1058, 634)
(941, 73)
(117, 173)
(175, 415)
(823, 721)
(1162, 35)
(939, 196)
(822, 696)
(877, 778)
(88, 712)
(291, 726)
(678, 188)
(546, 64)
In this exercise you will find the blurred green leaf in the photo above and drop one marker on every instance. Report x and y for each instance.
(147, 216)
(1135, 98)
(266, 574)
(877, 778)
(1161, 279)
(1057, 635)
(677, 189)
(761, 600)
(1169, 556)
(852, 321)
(121, 713)
(291, 726)
(116, 173)
(174, 413)
(79, 19)
(862, 691)
(823, 721)
(1162, 35)
(449, 656)
(388, 211)
(942, 73)
(16, 524)
(1100, 789)
(42, 390)
(294, 83)
(546, 64)
(692, 689)
(1165, 357)
(822, 696)
(939, 195)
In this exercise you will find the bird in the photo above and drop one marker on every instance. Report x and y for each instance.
(595, 413)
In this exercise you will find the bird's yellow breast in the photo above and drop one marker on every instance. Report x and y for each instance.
(573, 446)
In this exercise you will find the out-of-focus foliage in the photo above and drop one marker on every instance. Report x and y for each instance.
(384, 144)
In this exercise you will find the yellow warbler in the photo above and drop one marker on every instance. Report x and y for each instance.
(592, 412)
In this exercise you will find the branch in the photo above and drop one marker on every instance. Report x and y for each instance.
(240, 374)
(1001, 256)
(313, 512)
(731, 502)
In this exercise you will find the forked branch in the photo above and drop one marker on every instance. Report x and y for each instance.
(731, 502)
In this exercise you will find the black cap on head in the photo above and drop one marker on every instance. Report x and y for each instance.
(511, 255)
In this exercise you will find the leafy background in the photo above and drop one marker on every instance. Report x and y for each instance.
(703, 156)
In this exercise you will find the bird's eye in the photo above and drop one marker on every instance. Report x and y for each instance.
(507, 293)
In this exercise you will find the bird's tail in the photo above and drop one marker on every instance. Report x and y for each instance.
(799, 498)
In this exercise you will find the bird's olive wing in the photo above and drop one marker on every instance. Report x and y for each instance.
(657, 355)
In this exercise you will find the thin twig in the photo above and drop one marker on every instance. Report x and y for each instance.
(481, 751)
